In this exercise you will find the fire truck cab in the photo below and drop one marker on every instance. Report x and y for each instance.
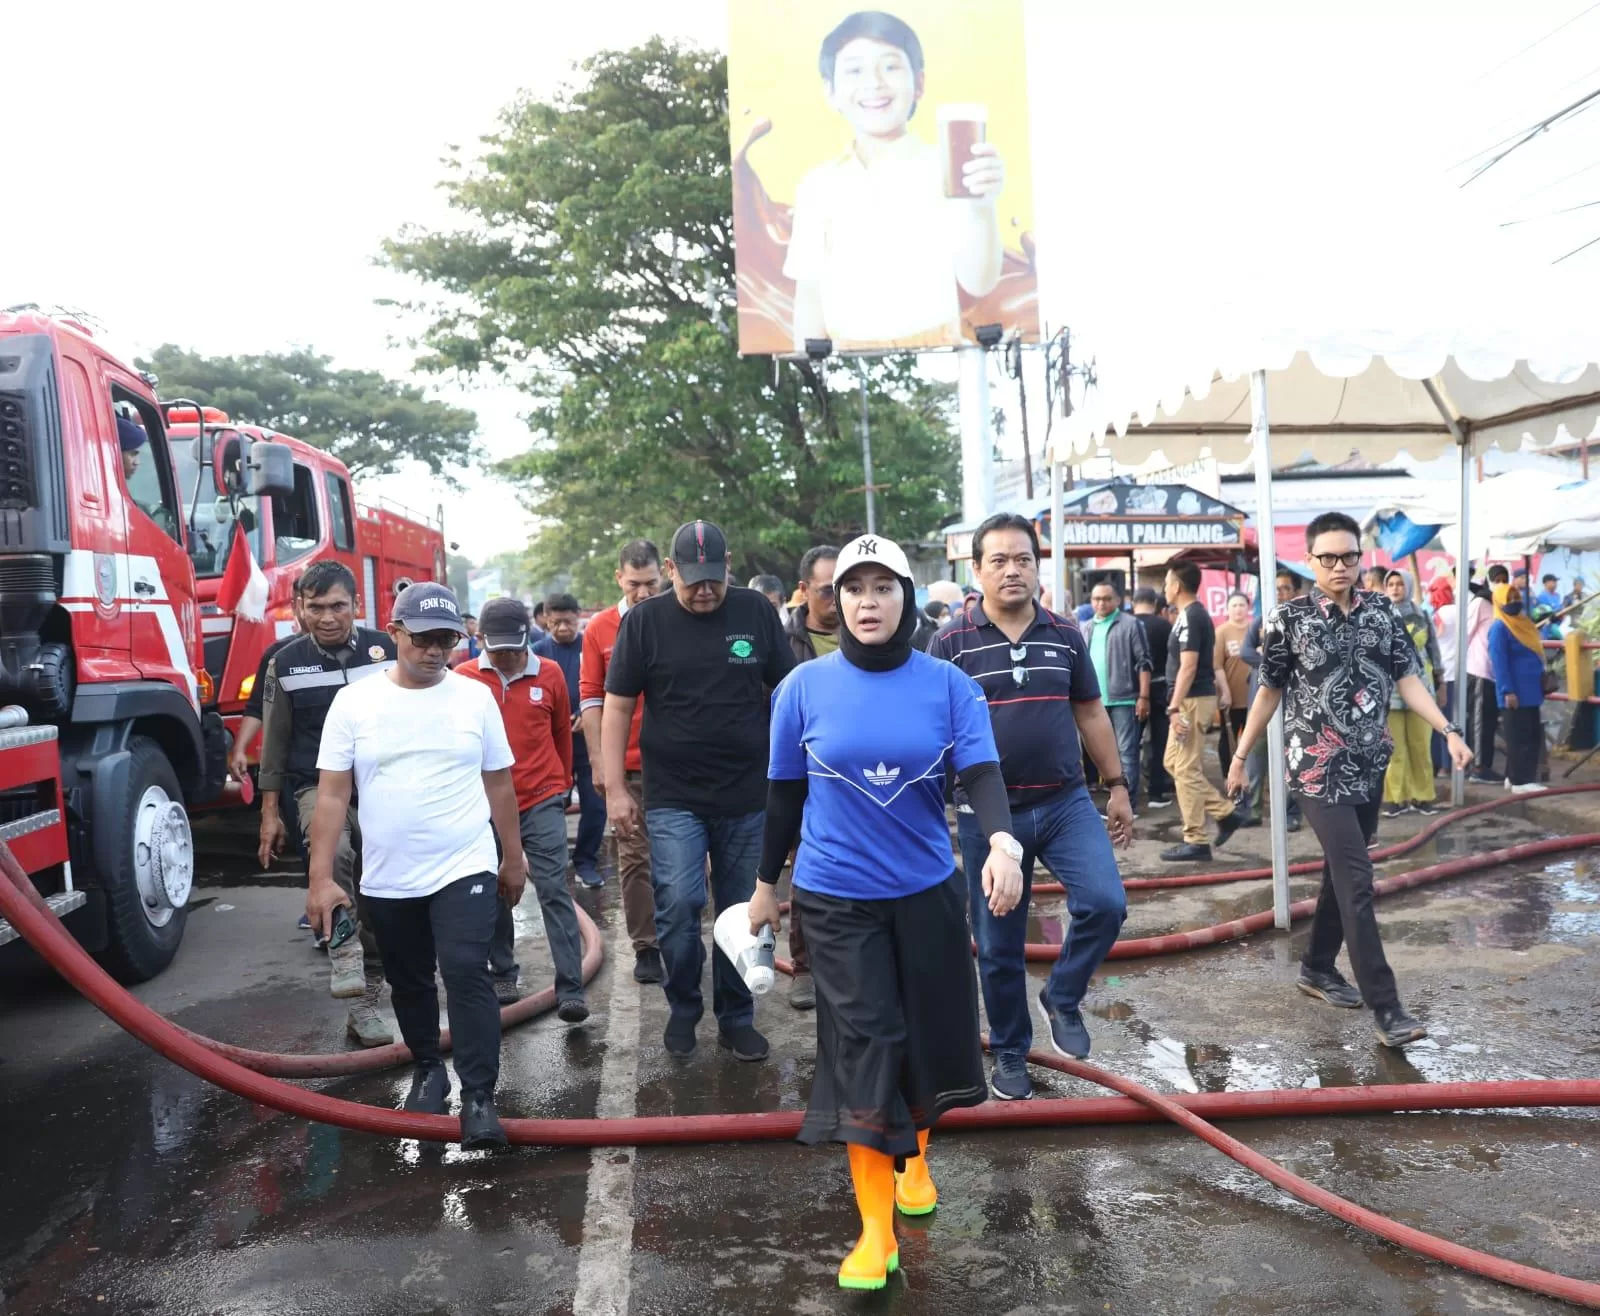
(100, 635)
(315, 520)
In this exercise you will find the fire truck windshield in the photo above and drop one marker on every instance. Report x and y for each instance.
(211, 519)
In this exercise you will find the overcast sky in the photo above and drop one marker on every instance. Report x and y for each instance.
(221, 176)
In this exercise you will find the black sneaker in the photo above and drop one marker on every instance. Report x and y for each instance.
(1068, 1035)
(430, 1090)
(1011, 1080)
(1226, 827)
(1425, 807)
(1484, 779)
(1395, 810)
(480, 1122)
(647, 965)
(1329, 987)
(573, 1010)
(590, 877)
(1396, 1027)
(1187, 854)
(743, 1041)
(1158, 802)
(679, 1038)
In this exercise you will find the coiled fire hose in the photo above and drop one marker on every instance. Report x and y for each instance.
(21, 904)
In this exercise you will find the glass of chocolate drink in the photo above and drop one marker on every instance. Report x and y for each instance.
(961, 127)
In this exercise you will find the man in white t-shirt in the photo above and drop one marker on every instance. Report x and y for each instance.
(879, 251)
(427, 753)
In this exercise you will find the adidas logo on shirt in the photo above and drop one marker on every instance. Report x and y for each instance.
(882, 775)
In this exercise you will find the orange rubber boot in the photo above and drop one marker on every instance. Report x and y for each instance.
(914, 1192)
(876, 1254)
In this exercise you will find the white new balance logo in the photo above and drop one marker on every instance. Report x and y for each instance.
(476, 890)
(882, 775)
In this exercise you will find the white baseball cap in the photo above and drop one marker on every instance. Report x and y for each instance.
(867, 550)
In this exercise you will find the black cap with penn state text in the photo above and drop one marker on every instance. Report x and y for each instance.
(700, 552)
(428, 606)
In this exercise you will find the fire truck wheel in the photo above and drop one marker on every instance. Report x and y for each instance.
(147, 890)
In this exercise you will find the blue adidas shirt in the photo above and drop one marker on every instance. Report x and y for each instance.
(874, 746)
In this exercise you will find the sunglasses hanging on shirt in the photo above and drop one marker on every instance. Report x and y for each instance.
(1019, 671)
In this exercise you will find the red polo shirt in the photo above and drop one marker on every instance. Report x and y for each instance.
(538, 718)
(599, 639)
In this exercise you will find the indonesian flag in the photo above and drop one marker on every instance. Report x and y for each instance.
(243, 588)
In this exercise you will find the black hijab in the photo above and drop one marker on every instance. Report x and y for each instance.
(883, 657)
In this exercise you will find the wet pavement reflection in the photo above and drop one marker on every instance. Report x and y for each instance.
(132, 1187)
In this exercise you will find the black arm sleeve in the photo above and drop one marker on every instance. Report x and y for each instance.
(786, 801)
(986, 793)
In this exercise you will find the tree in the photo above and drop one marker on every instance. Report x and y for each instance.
(373, 424)
(595, 269)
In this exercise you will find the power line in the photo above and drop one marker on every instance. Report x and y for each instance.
(1549, 214)
(1512, 59)
(1544, 125)
(1575, 251)
(1570, 83)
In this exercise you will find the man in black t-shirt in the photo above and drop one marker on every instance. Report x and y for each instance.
(705, 657)
(1192, 707)
(1157, 632)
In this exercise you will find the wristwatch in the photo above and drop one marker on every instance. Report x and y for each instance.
(1451, 729)
(1009, 845)
(1111, 783)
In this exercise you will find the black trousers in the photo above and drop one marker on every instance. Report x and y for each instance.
(1160, 781)
(452, 928)
(1345, 912)
(1483, 720)
(1524, 737)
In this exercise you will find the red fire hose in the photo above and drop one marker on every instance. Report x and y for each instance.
(22, 905)
(1315, 865)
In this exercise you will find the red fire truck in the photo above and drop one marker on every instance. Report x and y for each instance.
(111, 546)
(110, 727)
(317, 520)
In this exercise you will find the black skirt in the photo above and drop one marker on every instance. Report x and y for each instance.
(897, 1016)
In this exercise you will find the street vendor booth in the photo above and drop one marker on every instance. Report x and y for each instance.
(1123, 526)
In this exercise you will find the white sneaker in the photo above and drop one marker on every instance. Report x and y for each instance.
(1529, 788)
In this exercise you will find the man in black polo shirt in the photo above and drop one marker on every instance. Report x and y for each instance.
(1191, 708)
(1034, 668)
(705, 657)
(302, 679)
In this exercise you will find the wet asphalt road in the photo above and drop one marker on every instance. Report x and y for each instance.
(131, 1187)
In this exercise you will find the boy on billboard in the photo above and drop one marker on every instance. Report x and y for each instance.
(884, 233)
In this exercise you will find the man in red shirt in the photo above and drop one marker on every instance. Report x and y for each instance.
(532, 694)
(639, 575)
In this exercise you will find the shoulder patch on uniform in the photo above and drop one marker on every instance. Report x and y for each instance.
(376, 652)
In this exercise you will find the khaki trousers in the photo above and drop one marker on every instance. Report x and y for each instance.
(1197, 797)
(633, 872)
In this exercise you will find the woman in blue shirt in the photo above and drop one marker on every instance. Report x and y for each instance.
(1516, 656)
(860, 744)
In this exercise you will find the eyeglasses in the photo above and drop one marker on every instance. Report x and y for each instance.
(823, 592)
(441, 640)
(1019, 670)
(1331, 560)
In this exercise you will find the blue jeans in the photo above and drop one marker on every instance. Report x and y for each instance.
(591, 817)
(680, 843)
(1129, 731)
(1070, 837)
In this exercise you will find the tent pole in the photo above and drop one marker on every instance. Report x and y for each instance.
(1266, 564)
(1058, 556)
(1458, 778)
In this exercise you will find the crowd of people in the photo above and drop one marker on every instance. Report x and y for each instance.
(729, 734)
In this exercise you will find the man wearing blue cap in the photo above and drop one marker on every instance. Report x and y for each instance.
(427, 754)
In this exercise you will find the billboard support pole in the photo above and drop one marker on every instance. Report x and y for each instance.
(1058, 558)
(866, 453)
(1266, 564)
(977, 451)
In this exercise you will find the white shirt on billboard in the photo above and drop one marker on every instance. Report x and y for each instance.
(880, 241)
(418, 758)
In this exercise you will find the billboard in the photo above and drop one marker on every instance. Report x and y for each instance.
(882, 178)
